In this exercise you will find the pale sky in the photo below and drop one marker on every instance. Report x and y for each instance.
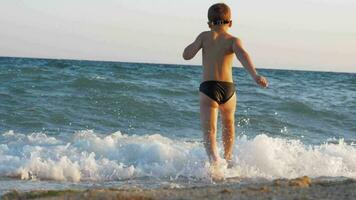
(283, 34)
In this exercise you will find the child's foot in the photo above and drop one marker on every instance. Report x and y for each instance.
(216, 170)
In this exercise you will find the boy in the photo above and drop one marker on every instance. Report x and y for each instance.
(217, 91)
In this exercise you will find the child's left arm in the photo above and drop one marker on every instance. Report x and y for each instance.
(246, 62)
(191, 50)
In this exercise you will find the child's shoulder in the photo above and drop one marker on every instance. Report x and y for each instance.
(209, 35)
(204, 34)
(231, 37)
(212, 33)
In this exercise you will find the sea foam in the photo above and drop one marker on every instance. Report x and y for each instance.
(89, 156)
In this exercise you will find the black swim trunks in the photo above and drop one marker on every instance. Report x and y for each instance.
(219, 91)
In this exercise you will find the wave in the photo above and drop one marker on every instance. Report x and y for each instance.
(89, 156)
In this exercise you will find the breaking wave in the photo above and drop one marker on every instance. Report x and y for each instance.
(89, 156)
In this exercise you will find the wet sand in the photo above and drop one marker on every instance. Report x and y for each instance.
(302, 188)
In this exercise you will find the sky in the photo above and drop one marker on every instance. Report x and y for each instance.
(281, 34)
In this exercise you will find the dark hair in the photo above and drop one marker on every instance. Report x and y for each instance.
(219, 14)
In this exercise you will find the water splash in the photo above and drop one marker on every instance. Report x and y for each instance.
(89, 156)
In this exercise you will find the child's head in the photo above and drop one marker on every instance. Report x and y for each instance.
(219, 14)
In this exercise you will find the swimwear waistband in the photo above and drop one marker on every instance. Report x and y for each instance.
(216, 81)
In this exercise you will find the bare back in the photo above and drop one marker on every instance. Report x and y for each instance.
(217, 55)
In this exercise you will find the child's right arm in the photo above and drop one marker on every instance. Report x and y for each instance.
(246, 62)
(191, 50)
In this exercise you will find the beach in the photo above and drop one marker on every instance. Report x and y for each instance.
(111, 129)
(156, 100)
(279, 189)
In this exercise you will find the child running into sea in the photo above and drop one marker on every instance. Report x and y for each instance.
(217, 90)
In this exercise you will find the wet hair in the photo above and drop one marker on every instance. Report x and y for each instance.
(219, 13)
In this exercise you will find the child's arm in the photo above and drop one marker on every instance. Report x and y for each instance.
(246, 62)
(191, 50)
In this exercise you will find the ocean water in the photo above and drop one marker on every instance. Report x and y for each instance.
(66, 124)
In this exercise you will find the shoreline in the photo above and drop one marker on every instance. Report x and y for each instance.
(299, 188)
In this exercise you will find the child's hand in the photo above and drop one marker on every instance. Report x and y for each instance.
(261, 81)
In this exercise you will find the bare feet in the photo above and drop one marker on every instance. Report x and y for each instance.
(216, 170)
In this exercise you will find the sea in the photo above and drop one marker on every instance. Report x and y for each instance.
(83, 124)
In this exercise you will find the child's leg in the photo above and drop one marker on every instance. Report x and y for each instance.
(228, 126)
(208, 117)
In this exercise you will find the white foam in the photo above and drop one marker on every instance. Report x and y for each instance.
(88, 156)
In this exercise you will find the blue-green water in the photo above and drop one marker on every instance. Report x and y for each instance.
(62, 96)
(104, 121)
